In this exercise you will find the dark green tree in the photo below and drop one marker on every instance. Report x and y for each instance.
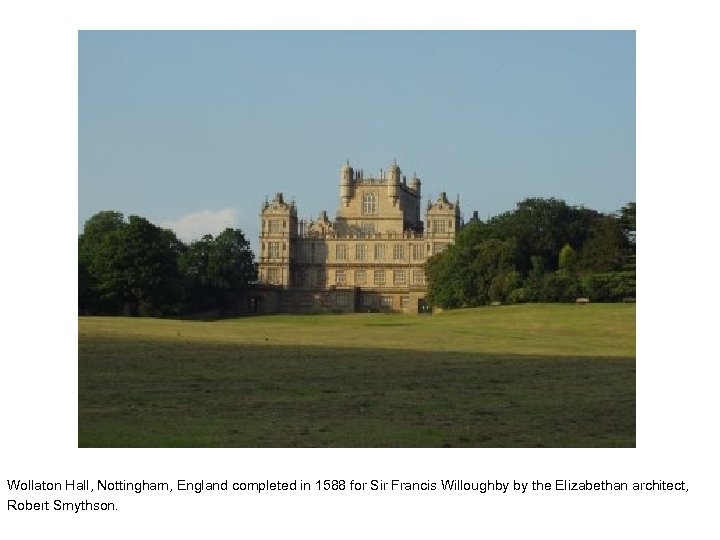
(128, 267)
(217, 269)
(606, 248)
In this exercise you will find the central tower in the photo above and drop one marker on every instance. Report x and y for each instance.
(383, 204)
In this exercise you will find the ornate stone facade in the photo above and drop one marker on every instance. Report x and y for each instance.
(370, 258)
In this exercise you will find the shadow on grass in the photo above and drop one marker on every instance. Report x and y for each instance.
(187, 394)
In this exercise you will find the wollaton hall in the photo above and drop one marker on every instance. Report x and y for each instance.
(370, 258)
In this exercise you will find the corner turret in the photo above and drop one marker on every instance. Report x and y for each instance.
(346, 183)
(394, 176)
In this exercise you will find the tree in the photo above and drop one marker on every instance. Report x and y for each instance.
(606, 247)
(92, 244)
(131, 266)
(566, 258)
(475, 270)
(627, 221)
(217, 269)
(494, 268)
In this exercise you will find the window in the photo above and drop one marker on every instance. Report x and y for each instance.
(340, 276)
(273, 249)
(398, 252)
(379, 277)
(404, 301)
(274, 226)
(273, 275)
(399, 276)
(342, 300)
(386, 302)
(438, 226)
(379, 252)
(341, 252)
(418, 251)
(360, 251)
(359, 277)
(369, 203)
(367, 301)
(419, 276)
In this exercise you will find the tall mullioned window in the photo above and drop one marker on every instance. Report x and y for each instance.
(379, 276)
(359, 277)
(399, 277)
(273, 249)
(369, 203)
(398, 252)
(379, 252)
(341, 252)
(274, 225)
(360, 252)
(418, 251)
(340, 277)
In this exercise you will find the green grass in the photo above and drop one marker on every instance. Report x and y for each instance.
(534, 375)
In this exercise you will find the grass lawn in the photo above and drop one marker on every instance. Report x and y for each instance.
(513, 376)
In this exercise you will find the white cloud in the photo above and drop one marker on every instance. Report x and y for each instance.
(194, 226)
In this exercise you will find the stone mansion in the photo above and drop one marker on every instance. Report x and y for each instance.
(370, 258)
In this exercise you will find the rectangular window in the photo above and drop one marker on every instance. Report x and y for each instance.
(369, 203)
(438, 226)
(418, 276)
(386, 302)
(359, 277)
(274, 226)
(379, 277)
(360, 252)
(340, 277)
(367, 301)
(399, 252)
(341, 252)
(273, 249)
(273, 275)
(342, 300)
(404, 301)
(437, 248)
(418, 251)
(379, 252)
(399, 277)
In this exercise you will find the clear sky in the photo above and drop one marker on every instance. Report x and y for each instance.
(194, 129)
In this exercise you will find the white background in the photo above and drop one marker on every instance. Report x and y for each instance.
(677, 151)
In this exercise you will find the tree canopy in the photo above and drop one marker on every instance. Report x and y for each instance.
(133, 267)
(544, 250)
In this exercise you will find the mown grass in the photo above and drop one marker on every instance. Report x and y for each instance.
(545, 375)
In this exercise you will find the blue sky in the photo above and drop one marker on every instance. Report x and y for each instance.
(193, 129)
